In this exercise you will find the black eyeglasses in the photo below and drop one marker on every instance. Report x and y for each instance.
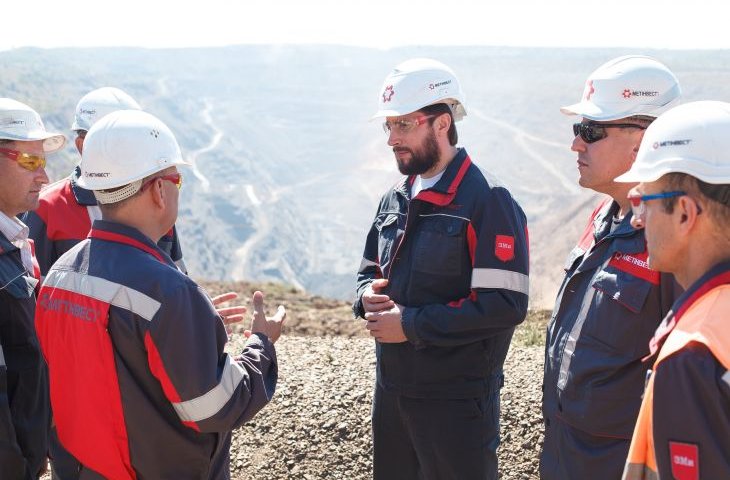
(593, 132)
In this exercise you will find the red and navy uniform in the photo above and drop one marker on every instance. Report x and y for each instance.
(607, 310)
(64, 217)
(140, 384)
(456, 257)
(684, 426)
(25, 412)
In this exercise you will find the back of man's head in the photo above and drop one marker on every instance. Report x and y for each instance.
(121, 150)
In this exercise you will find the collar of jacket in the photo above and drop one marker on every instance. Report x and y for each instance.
(124, 234)
(13, 276)
(83, 197)
(444, 191)
(716, 276)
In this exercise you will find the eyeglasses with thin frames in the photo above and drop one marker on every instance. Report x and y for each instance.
(29, 161)
(638, 201)
(404, 126)
(593, 132)
(175, 178)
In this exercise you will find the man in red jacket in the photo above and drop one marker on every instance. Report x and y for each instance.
(141, 386)
(67, 210)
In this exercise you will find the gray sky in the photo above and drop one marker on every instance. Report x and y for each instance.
(676, 24)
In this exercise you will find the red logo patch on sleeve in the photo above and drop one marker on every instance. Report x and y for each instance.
(504, 247)
(685, 460)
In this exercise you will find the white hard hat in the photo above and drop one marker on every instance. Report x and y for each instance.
(626, 86)
(21, 123)
(123, 148)
(418, 83)
(98, 103)
(693, 138)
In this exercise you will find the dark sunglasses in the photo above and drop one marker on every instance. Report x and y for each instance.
(593, 132)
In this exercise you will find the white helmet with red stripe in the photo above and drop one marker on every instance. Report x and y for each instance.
(418, 83)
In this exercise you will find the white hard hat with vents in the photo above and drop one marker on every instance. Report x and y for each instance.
(122, 149)
(693, 138)
(627, 86)
(418, 83)
(98, 103)
(20, 123)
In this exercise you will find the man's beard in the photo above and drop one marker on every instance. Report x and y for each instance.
(422, 160)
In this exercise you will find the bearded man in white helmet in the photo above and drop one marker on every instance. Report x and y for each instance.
(610, 301)
(683, 205)
(24, 408)
(442, 285)
(140, 384)
(66, 210)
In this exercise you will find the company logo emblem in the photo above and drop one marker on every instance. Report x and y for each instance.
(97, 174)
(685, 459)
(590, 90)
(636, 265)
(86, 111)
(670, 143)
(68, 307)
(388, 93)
(628, 93)
(12, 122)
(504, 247)
(433, 86)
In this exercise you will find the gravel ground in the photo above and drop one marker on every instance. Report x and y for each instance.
(318, 425)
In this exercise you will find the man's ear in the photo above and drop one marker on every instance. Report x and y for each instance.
(158, 193)
(443, 123)
(79, 141)
(687, 211)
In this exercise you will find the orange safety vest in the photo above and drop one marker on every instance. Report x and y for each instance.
(706, 322)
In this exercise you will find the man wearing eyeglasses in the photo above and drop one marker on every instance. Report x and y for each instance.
(683, 205)
(610, 301)
(24, 403)
(141, 386)
(66, 210)
(441, 287)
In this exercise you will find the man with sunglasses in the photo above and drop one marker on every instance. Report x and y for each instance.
(683, 205)
(24, 404)
(610, 301)
(66, 210)
(442, 285)
(141, 386)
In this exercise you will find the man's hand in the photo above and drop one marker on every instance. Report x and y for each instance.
(229, 315)
(269, 326)
(385, 325)
(373, 300)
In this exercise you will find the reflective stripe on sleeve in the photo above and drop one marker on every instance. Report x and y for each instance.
(105, 291)
(495, 278)
(725, 378)
(366, 263)
(2, 357)
(207, 405)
